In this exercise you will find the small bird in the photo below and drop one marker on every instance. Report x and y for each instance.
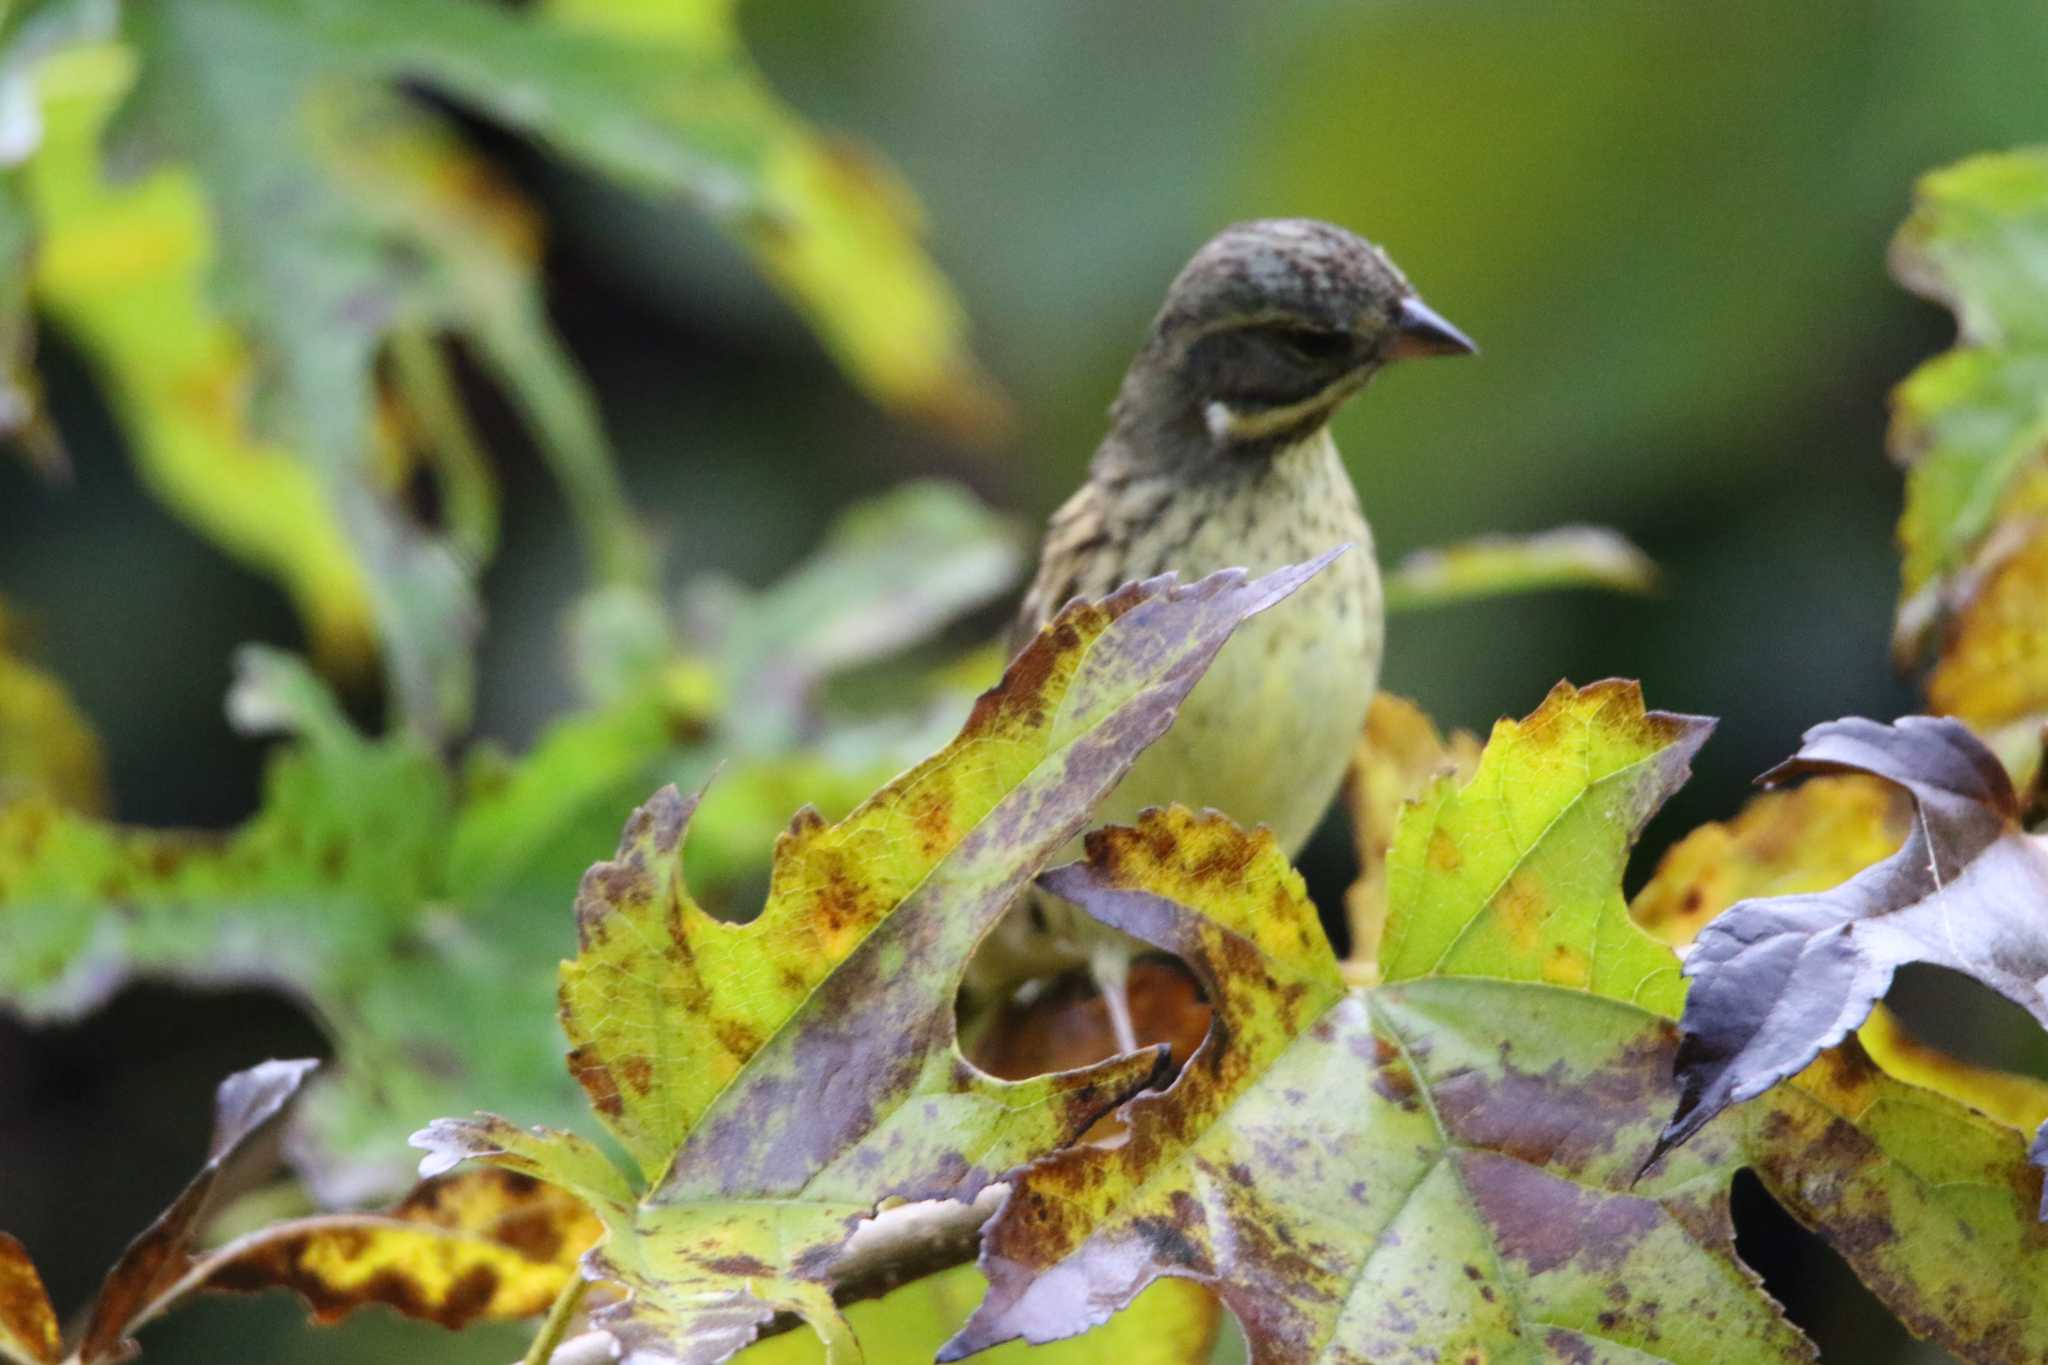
(1219, 455)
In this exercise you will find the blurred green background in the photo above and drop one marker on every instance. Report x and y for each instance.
(1665, 225)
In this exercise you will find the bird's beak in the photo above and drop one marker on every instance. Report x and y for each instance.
(1424, 332)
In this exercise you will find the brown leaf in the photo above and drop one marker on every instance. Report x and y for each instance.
(250, 1110)
(28, 1325)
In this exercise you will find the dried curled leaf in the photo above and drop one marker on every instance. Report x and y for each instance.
(28, 1324)
(1392, 1175)
(1517, 873)
(153, 1274)
(480, 1245)
(1774, 981)
(775, 1081)
(1809, 838)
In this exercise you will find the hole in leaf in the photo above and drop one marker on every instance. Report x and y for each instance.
(1821, 1295)
(1968, 1020)
(1064, 1023)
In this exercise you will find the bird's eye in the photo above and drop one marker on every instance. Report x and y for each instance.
(1313, 344)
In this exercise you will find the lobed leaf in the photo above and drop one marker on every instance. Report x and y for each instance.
(1388, 1175)
(1397, 758)
(775, 1081)
(1517, 873)
(304, 215)
(408, 910)
(1777, 980)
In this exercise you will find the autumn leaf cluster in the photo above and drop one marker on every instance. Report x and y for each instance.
(683, 1126)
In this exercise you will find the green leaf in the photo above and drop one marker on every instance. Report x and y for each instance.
(1488, 566)
(1517, 873)
(1448, 1164)
(303, 215)
(889, 572)
(775, 1081)
(1437, 1170)
(411, 912)
(1172, 1323)
(1971, 428)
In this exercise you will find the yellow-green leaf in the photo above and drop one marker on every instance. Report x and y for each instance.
(1517, 873)
(776, 1081)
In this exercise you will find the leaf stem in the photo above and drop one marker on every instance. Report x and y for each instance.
(556, 1325)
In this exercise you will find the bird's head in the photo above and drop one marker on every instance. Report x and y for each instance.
(1268, 330)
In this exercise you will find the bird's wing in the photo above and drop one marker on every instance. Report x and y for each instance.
(1075, 539)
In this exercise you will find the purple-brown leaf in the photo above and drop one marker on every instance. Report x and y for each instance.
(1774, 981)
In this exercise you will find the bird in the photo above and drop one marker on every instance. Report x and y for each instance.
(1219, 455)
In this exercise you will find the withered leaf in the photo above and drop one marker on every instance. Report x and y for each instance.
(482, 1244)
(28, 1324)
(250, 1110)
(775, 1081)
(1438, 1170)
(1775, 981)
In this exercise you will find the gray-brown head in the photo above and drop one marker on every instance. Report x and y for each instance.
(1265, 333)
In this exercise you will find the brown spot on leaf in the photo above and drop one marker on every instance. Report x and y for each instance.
(747, 1267)
(597, 1080)
(1443, 852)
(1545, 1221)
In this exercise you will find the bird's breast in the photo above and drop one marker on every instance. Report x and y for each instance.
(1266, 735)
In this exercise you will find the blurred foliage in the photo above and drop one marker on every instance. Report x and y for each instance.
(1971, 428)
(400, 902)
(288, 214)
(47, 749)
(775, 1083)
(1663, 225)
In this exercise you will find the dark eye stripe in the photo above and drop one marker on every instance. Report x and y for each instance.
(1314, 344)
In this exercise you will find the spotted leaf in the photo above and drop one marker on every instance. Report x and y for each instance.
(1394, 1175)
(1517, 873)
(774, 1081)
